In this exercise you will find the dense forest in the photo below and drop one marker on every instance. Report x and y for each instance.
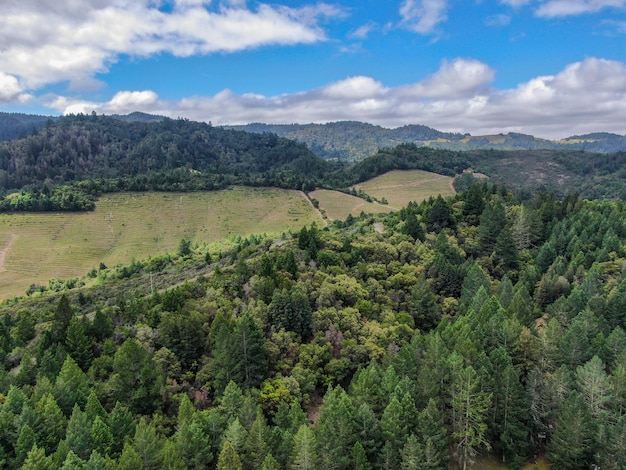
(350, 141)
(454, 329)
(71, 161)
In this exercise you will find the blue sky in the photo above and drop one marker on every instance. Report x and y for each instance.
(550, 68)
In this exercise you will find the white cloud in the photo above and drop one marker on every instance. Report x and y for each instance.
(423, 16)
(586, 96)
(515, 3)
(9, 88)
(456, 79)
(498, 20)
(47, 41)
(554, 8)
(363, 31)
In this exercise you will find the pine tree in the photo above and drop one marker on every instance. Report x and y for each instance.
(77, 342)
(572, 443)
(71, 386)
(270, 463)
(193, 444)
(412, 454)
(78, 434)
(423, 305)
(304, 454)
(359, 458)
(51, 423)
(334, 430)
(171, 459)
(469, 406)
(257, 442)
(228, 459)
(130, 459)
(122, 425)
(37, 460)
(147, 444)
(101, 437)
(434, 435)
(250, 364)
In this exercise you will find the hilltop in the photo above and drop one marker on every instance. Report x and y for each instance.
(353, 141)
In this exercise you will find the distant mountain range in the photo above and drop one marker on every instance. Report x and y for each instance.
(350, 141)
(354, 141)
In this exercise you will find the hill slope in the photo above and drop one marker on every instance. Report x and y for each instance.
(354, 141)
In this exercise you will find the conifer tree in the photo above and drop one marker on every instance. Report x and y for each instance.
(304, 454)
(229, 458)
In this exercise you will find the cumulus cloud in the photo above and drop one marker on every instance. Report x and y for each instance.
(586, 96)
(554, 8)
(423, 16)
(47, 41)
(9, 88)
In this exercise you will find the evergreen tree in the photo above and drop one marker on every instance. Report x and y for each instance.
(102, 326)
(101, 437)
(122, 425)
(412, 455)
(423, 305)
(130, 459)
(228, 459)
(136, 380)
(78, 434)
(413, 228)
(51, 423)
(270, 463)
(257, 442)
(193, 445)
(304, 455)
(71, 386)
(250, 363)
(434, 435)
(469, 405)
(171, 459)
(572, 443)
(37, 460)
(147, 444)
(334, 430)
(78, 343)
(359, 458)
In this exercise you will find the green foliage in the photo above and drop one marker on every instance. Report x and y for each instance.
(427, 350)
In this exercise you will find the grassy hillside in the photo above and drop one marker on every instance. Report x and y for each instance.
(402, 187)
(128, 226)
(337, 205)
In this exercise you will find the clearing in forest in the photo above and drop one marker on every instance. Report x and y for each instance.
(133, 226)
(401, 187)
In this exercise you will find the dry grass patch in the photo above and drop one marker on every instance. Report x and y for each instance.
(129, 226)
(401, 187)
(338, 205)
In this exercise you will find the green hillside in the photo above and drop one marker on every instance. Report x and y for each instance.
(473, 328)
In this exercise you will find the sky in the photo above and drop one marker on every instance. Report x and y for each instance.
(550, 68)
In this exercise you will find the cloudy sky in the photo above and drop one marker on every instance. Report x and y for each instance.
(550, 68)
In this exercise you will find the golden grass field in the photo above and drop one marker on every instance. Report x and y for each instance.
(338, 205)
(402, 187)
(129, 226)
(35, 248)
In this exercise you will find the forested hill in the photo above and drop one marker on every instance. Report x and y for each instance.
(152, 154)
(353, 141)
(73, 159)
(445, 333)
(593, 175)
